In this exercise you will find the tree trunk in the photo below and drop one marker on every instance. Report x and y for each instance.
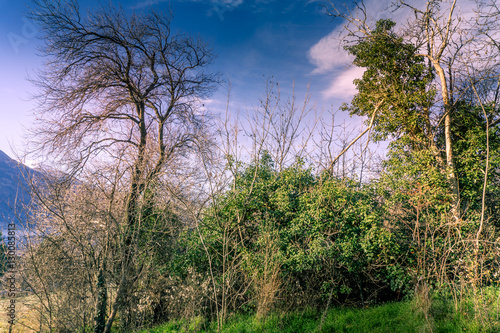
(101, 306)
(450, 165)
(120, 294)
(136, 187)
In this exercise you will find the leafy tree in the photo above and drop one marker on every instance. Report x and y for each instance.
(439, 34)
(397, 81)
(469, 135)
(416, 197)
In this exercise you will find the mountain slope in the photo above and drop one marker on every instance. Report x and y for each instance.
(13, 190)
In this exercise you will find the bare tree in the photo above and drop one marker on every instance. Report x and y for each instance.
(68, 248)
(283, 128)
(122, 88)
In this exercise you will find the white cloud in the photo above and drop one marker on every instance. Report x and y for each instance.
(219, 7)
(147, 3)
(228, 3)
(218, 3)
(342, 85)
(328, 54)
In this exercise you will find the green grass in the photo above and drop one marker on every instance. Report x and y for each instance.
(403, 316)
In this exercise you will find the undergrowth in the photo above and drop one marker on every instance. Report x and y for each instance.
(443, 315)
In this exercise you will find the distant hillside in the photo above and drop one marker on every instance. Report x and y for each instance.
(13, 189)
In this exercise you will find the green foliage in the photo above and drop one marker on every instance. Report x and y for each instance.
(325, 236)
(417, 201)
(414, 178)
(340, 231)
(396, 78)
(469, 137)
(293, 238)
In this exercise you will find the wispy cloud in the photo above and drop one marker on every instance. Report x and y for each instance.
(228, 3)
(220, 7)
(342, 85)
(328, 54)
(217, 3)
(329, 57)
(147, 3)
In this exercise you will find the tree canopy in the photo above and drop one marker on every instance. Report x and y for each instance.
(398, 79)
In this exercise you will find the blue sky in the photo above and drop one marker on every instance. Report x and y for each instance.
(293, 41)
(253, 39)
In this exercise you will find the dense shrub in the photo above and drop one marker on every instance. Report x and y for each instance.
(295, 239)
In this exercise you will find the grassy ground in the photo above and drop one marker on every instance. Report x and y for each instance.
(378, 319)
(440, 314)
(407, 317)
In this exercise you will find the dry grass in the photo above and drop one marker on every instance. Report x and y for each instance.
(26, 319)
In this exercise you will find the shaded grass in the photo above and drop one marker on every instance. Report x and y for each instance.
(392, 317)
(443, 317)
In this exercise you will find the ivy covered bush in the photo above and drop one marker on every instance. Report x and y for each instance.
(296, 239)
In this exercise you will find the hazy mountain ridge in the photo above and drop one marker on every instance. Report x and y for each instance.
(14, 191)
